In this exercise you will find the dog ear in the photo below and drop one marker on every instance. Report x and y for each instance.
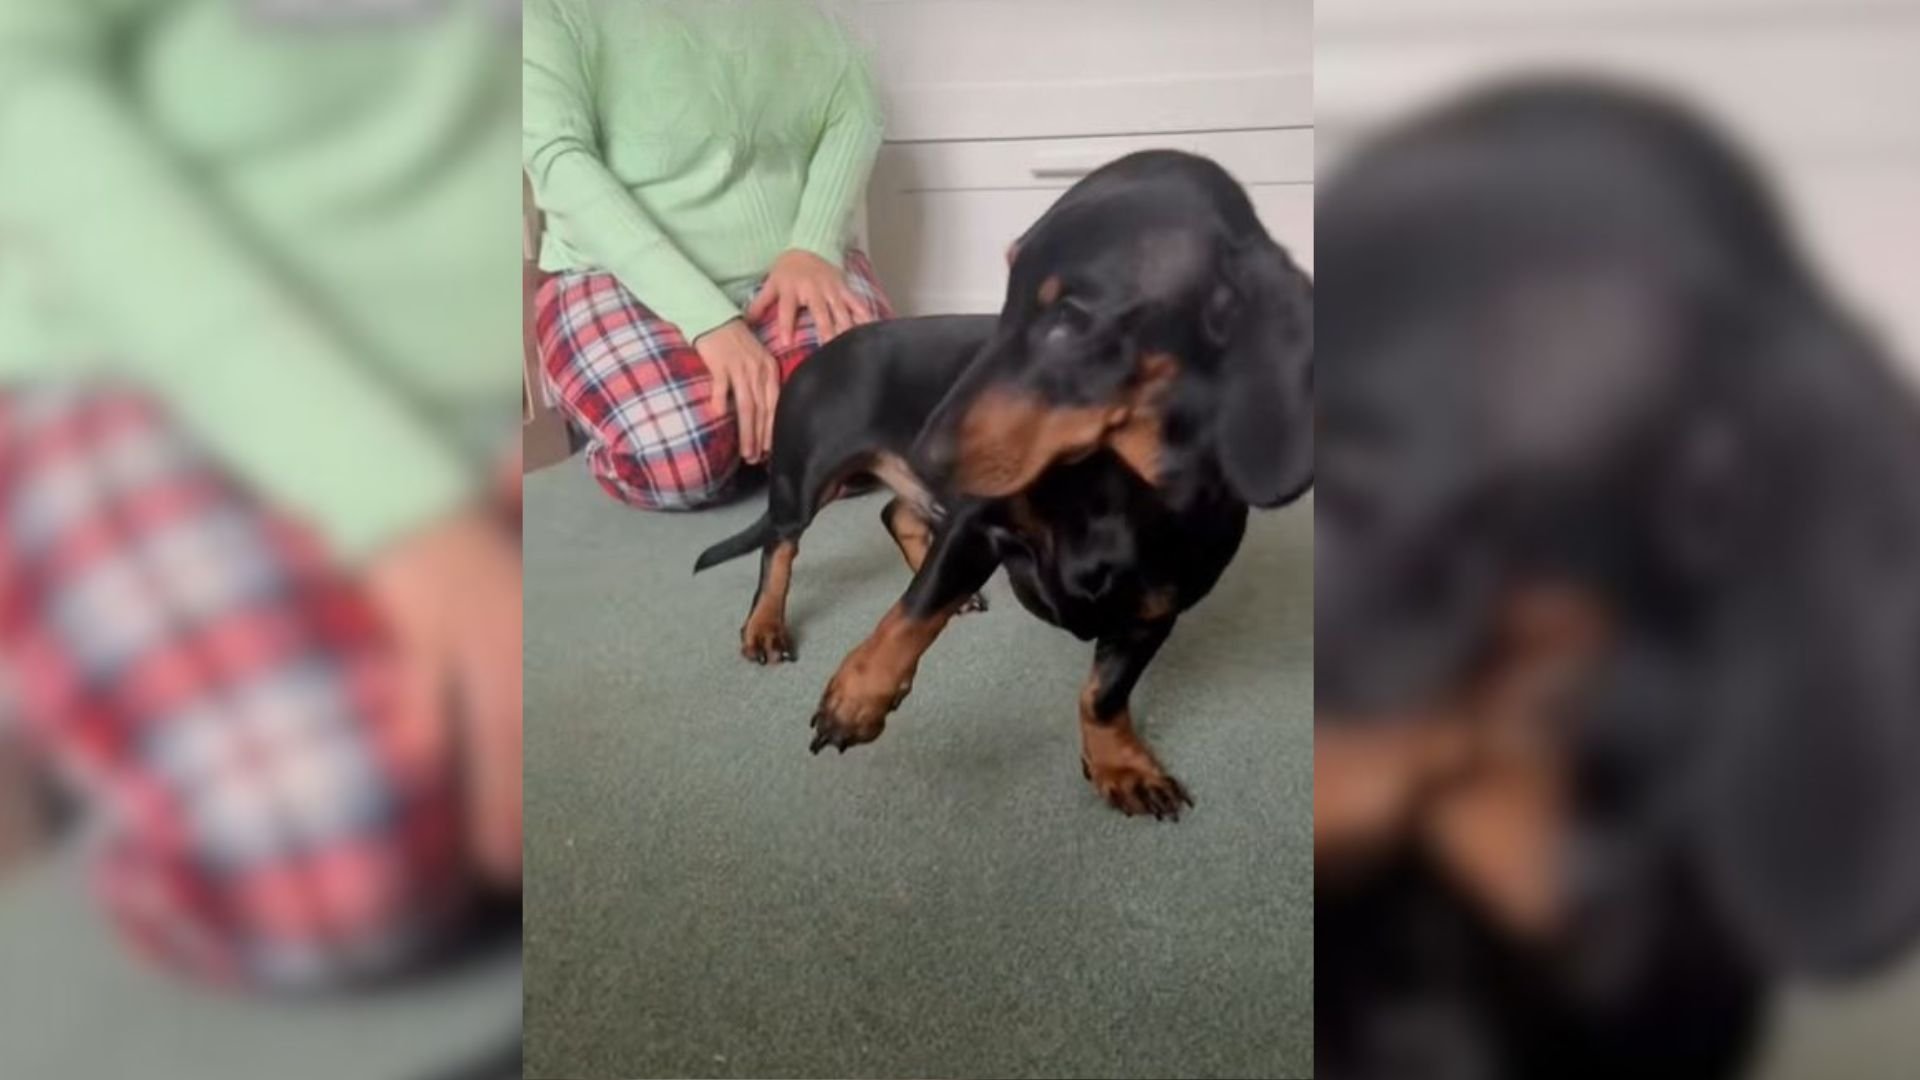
(1260, 316)
(1807, 805)
(1809, 808)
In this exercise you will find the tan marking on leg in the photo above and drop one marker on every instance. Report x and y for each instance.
(911, 533)
(876, 676)
(1121, 768)
(764, 638)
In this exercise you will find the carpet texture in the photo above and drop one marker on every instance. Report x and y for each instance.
(705, 899)
(75, 1005)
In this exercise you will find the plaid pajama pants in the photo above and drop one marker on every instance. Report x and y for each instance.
(637, 390)
(215, 686)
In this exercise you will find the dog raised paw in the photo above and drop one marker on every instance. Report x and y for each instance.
(851, 713)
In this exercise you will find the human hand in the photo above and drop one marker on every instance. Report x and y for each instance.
(450, 596)
(801, 279)
(743, 367)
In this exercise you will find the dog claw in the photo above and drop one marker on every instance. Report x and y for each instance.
(845, 719)
(1138, 793)
(765, 646)
(828, 731)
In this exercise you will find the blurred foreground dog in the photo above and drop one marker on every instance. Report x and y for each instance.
(1617, 603)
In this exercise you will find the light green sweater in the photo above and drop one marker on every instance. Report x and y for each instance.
(683, 144)
(303, 237)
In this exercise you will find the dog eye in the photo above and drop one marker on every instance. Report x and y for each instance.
(1065, 322)
(1077, 314)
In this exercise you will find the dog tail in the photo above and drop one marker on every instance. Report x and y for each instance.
(753, 536)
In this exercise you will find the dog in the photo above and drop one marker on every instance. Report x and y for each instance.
(1148, 379)
(1617, 601)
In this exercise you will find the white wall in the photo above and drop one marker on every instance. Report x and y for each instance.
(1825, 92)
(994, 107)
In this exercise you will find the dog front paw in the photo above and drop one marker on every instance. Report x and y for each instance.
(853, 711)
(976, 602)
(1137, 785)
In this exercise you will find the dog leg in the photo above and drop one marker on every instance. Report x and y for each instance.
(876, 676)
(764, 639)
(913, 534)
(1119, 765)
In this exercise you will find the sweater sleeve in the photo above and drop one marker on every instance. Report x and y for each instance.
(201, 317)
(837, 173)
(580, 195)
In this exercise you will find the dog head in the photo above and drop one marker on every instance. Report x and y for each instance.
(1147, 313)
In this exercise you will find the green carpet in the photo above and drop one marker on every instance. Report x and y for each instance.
(75, 1005)
(705, 899)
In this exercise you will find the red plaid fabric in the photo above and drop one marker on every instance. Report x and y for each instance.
(217, 689)
(633, 385)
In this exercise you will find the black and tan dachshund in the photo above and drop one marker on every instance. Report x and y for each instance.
(1147, 380)
(1617, 602)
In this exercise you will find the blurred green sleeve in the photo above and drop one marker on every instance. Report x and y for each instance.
(200, 311)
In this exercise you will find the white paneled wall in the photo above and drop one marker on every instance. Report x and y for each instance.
(994, 107)
(1826, 93)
